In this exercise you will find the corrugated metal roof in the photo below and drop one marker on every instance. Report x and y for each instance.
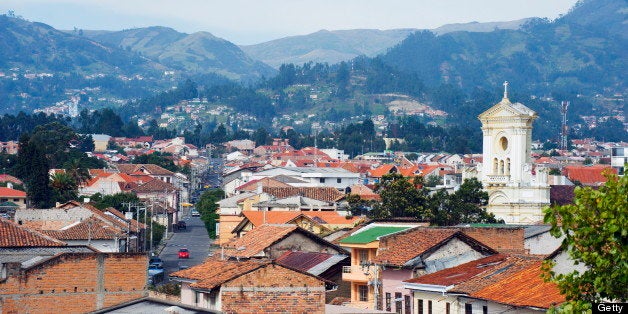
(312, 262)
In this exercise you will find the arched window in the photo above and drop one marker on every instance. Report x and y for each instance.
(508, 166)
(501, 167)
(495, 166)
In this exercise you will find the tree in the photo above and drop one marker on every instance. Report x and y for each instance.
(466, 205)
(32, 167)
(64, 187)
(207, 206)
(401, 198)
(595, 230)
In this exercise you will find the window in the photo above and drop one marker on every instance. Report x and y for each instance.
(420, 307)
(197, 297)
(447, 308)
(388, 301)
(321, 180)
(364, 256)
(408, 304)
(398, 303)
(429, 307)
(363, 293)
(468, 308)
(339, 180)
(485, 309)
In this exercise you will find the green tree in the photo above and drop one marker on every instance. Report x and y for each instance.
(32, 168)
(157, 158)
(401, 198)
(207, 206)
(466, 205)
(117, 201)
(64, 187)
(595, 230)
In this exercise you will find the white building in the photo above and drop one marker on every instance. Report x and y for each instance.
(338, 178)
(517, 191)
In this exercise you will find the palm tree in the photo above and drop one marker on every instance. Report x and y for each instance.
(64, 187)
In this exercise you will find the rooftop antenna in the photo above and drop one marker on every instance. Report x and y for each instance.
(505, 89)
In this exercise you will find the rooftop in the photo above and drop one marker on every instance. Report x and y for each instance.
(372, 234)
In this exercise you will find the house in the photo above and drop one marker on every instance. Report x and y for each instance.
(16, 197)
(363, 243)
(492, 284)
(251, 286)
(313, 221)
(417, 251)
(39, 274)
(338, 178)
(83, 224)
(272, 240)
(588, 175)
(325, 265)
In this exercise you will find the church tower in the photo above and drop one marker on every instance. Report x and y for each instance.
(517, 191)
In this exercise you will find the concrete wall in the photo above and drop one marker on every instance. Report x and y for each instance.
(392, 282)
(542, 244)
(454, 253)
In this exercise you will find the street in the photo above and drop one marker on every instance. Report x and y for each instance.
(194, 238)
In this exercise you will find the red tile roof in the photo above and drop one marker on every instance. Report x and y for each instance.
(256, 240)
(524, 288)
(461, 273)
(91, 228)
(155, 185)
(14, 235)
(6, 192)
(327, 194)
(10, 178)
(149, 168)
(214, 272)
(382, 170)
(399, 248)
(258, 218)
(588, 175)
(252, 185)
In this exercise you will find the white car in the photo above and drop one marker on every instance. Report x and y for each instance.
(195, 213)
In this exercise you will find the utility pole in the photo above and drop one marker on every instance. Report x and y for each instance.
(564, 130)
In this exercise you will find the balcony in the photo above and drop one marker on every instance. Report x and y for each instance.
(358, 273)
(498, 179)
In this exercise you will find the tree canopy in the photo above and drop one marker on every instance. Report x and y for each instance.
(595, 230)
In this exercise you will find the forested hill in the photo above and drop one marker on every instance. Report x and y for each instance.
(584, 50)
(40, 48)
(200, 52)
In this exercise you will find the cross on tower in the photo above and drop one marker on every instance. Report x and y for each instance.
(505, 89)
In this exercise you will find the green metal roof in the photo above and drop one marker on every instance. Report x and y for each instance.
(371, 234)
(9, 204)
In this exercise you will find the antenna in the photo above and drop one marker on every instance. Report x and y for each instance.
(505, 89)
(564, 129)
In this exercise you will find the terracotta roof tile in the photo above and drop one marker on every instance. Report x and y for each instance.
(382, 170)
(399, 248)
(302, 260)
(256, 240)
(332, 218)
(91, 228)
(9, 178)
(524, 288)
(562, 194)
(327, 194)
(268, 182)
(588, 175)
(149, 168)
(7, 192)
(214, 272)
(155, 185)
(258, 218)
(14, 235)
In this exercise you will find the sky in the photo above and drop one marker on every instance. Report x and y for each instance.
(247, 22)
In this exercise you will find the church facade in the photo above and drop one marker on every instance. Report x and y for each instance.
(517, 190)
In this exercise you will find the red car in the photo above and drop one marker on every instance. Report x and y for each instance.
(184, 253)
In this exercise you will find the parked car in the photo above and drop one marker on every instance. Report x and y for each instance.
(155, 260)
(181, 225)
(155, 274)
(195, 213)
(184, 253)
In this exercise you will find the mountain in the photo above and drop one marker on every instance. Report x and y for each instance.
(326, 46)
(200, 52)
(478, 27)
(582, 51)
(37, 47)
(343, 45)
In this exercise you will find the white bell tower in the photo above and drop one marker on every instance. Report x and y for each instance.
(517, 191)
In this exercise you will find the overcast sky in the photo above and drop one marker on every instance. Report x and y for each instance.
(255, 21)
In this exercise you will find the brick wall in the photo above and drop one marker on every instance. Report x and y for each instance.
(273, 289)
(503, 240)
(75, 283)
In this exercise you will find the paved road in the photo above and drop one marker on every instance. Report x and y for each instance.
(194, 238)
